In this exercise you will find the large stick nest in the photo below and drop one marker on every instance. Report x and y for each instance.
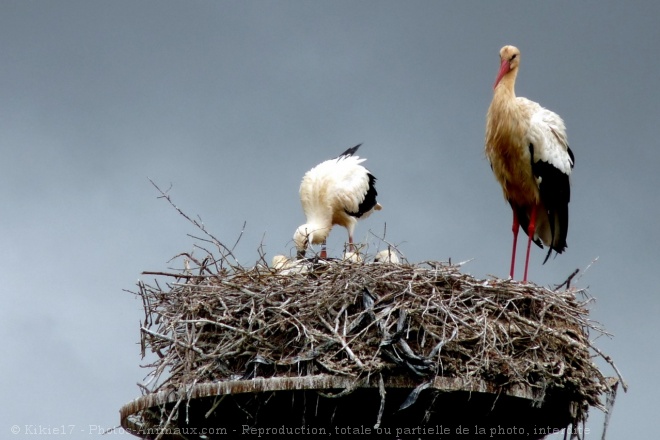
(218, 322)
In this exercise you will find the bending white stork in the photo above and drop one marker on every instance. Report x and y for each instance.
(528, 151)
(336, 192)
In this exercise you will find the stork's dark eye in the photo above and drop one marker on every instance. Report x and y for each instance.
(513, 57)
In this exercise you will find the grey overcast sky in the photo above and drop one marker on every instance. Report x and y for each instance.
(231, 102)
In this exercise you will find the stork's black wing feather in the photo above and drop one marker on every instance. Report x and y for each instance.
(555, 192)
(369, 199)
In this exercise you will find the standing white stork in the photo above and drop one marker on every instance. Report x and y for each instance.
(336, 192)
(528, 151)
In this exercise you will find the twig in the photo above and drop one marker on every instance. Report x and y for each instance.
(199, 225)
(567, 283)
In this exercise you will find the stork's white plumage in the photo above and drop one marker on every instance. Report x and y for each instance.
(528, 151)
(336, 192)
(386, 256)
(353, 257)
(284, 266)
(280, 262)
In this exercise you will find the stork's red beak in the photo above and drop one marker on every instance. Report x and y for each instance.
(504, 69)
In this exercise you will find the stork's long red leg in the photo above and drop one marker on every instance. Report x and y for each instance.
(514, 228)
(530, 232)
(324, 253)
(350, 244)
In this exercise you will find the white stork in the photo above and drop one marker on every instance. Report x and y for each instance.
(284, 266)
(280, 262)
(353, 257)
(336, 192)
(386, 256)
(528, 151)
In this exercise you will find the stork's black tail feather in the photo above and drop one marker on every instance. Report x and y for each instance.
(349, 152)
(558, 230)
